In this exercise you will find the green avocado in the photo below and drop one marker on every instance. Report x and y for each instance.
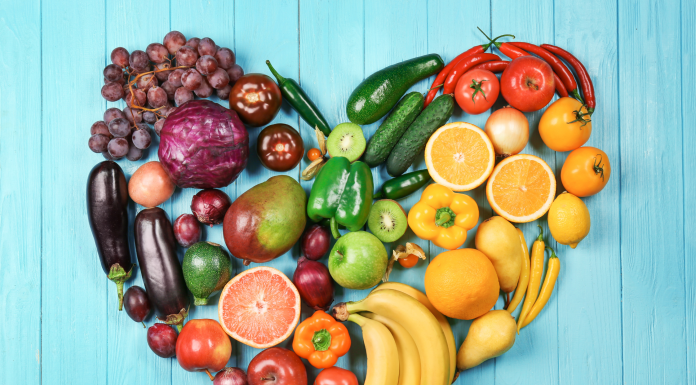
(207, 268)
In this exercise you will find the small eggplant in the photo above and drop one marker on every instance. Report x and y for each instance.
(107, 201)
(155, 245)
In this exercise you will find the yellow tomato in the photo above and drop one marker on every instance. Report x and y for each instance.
(586, 171)
(565, 125)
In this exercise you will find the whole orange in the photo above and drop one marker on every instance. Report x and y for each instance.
(462, 283)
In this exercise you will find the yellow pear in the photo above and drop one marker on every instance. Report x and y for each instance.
(499, 241)
(489, 336)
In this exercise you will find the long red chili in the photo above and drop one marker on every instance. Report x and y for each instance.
(560, 87)
(583, 76)
(464, 65)
(493, 66)
(558, 67)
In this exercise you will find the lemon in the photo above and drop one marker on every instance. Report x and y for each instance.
(569, 220)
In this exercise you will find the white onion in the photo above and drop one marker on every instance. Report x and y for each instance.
(508, 130)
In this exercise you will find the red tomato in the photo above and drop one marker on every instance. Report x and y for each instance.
(336, 376)
(476, 91)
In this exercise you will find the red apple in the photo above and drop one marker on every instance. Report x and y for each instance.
(203, 346)
(527, 83)
(276, 366)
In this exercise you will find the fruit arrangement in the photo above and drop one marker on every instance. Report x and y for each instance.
(406, 332)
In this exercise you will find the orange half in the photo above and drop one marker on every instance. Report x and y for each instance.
(259, 307)
(460, 156)
(521, 188)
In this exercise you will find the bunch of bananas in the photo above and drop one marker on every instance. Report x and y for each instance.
(408, 342)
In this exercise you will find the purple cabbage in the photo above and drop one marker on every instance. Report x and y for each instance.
(203, 145)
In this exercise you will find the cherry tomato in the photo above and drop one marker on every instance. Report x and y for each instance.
(280, 147)
(336, 376)
(410, 261)
(256, 98)
(565, 125)
(586, 171)
(476, 91)
(313, 154)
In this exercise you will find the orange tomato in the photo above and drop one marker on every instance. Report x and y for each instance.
(586, 171)
(313, 154)
(565, 125)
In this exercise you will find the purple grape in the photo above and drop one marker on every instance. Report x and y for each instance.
(119, 127)
(112, 91)
(182, 95)
(158, 126)
(138, 97)
(205, 90)
(133, 115)
(149, 117)
(175, 77)
(173, 41)
(161, 338)
(156, 97)
(206, 65)
(169, 89)
(147, 81)
(136, 303)
(134, 154)
(166, 111)
(118, 147)
(235, 73)
(107, 156)
(193, 42)
(142, 138)
(191, 79)
(100, 127)
(138, 60)
(207, 47)
(162, 75)
(111, 114)
(187, 230)
(119, 81)
(219, 79)
(120, 57)
(98, 143)
(113, 73)
(157, 52)
(224, 93)
(147, 68)
(225, 58)
(186, 56)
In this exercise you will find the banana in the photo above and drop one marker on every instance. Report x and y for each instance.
(409, 361)
(382, 354)
(444, 324)
(420, 323)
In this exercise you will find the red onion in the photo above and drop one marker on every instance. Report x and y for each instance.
(230, 376)
(314, 283)
(187, 230)
(315, 242)
(210, 206)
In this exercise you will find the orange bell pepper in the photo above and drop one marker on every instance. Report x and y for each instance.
(443, 216)
(321, 340)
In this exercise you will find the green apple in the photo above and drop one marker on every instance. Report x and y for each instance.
(358, 260)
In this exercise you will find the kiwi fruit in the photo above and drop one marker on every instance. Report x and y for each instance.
(346, 140)
(387, 220)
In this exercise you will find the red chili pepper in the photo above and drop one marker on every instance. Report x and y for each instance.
(464, 65)
(583, 76)
(558, 67)
(560, 87)
(493, 66)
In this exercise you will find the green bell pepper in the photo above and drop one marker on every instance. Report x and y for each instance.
(342, 192)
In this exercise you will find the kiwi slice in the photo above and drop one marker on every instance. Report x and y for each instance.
(387, 220)
(346, 140)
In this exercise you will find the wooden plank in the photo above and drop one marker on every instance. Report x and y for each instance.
(652, 193)
(331, 65)
(75, 290)
(20, 190)
(536, 348)
(589, 286)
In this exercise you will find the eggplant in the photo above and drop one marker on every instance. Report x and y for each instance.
(107, 209)
(155, 246)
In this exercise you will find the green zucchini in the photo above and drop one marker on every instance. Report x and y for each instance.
(391, 130)
(415, 138)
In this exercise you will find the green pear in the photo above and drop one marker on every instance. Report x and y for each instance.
(489, 336)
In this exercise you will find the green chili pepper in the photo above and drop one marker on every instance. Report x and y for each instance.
(404, 185)
(298, 99)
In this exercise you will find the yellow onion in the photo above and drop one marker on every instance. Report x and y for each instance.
(508, 130)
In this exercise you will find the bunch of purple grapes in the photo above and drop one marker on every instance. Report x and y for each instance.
(153, 83)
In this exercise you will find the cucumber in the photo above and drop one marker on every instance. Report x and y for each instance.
(377, 94)
(417, 135)
(391, 130)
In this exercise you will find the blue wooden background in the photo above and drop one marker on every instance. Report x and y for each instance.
(623, 310)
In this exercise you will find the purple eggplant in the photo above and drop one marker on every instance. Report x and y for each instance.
(107, 201)
(155, 245)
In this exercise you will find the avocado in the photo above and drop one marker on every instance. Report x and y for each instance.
(207, 268)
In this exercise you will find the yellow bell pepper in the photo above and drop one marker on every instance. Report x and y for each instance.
(443, 216)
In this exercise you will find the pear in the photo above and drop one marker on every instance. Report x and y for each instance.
(489, 336)
(500, 242)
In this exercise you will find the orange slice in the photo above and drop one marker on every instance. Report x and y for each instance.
(259, 307)
(521, 188)
(460, 156)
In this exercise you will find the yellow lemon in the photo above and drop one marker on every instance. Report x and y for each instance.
(569, 220)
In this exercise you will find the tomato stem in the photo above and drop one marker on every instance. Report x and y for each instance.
(580, 116)
(597, 166)
(477, 87)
